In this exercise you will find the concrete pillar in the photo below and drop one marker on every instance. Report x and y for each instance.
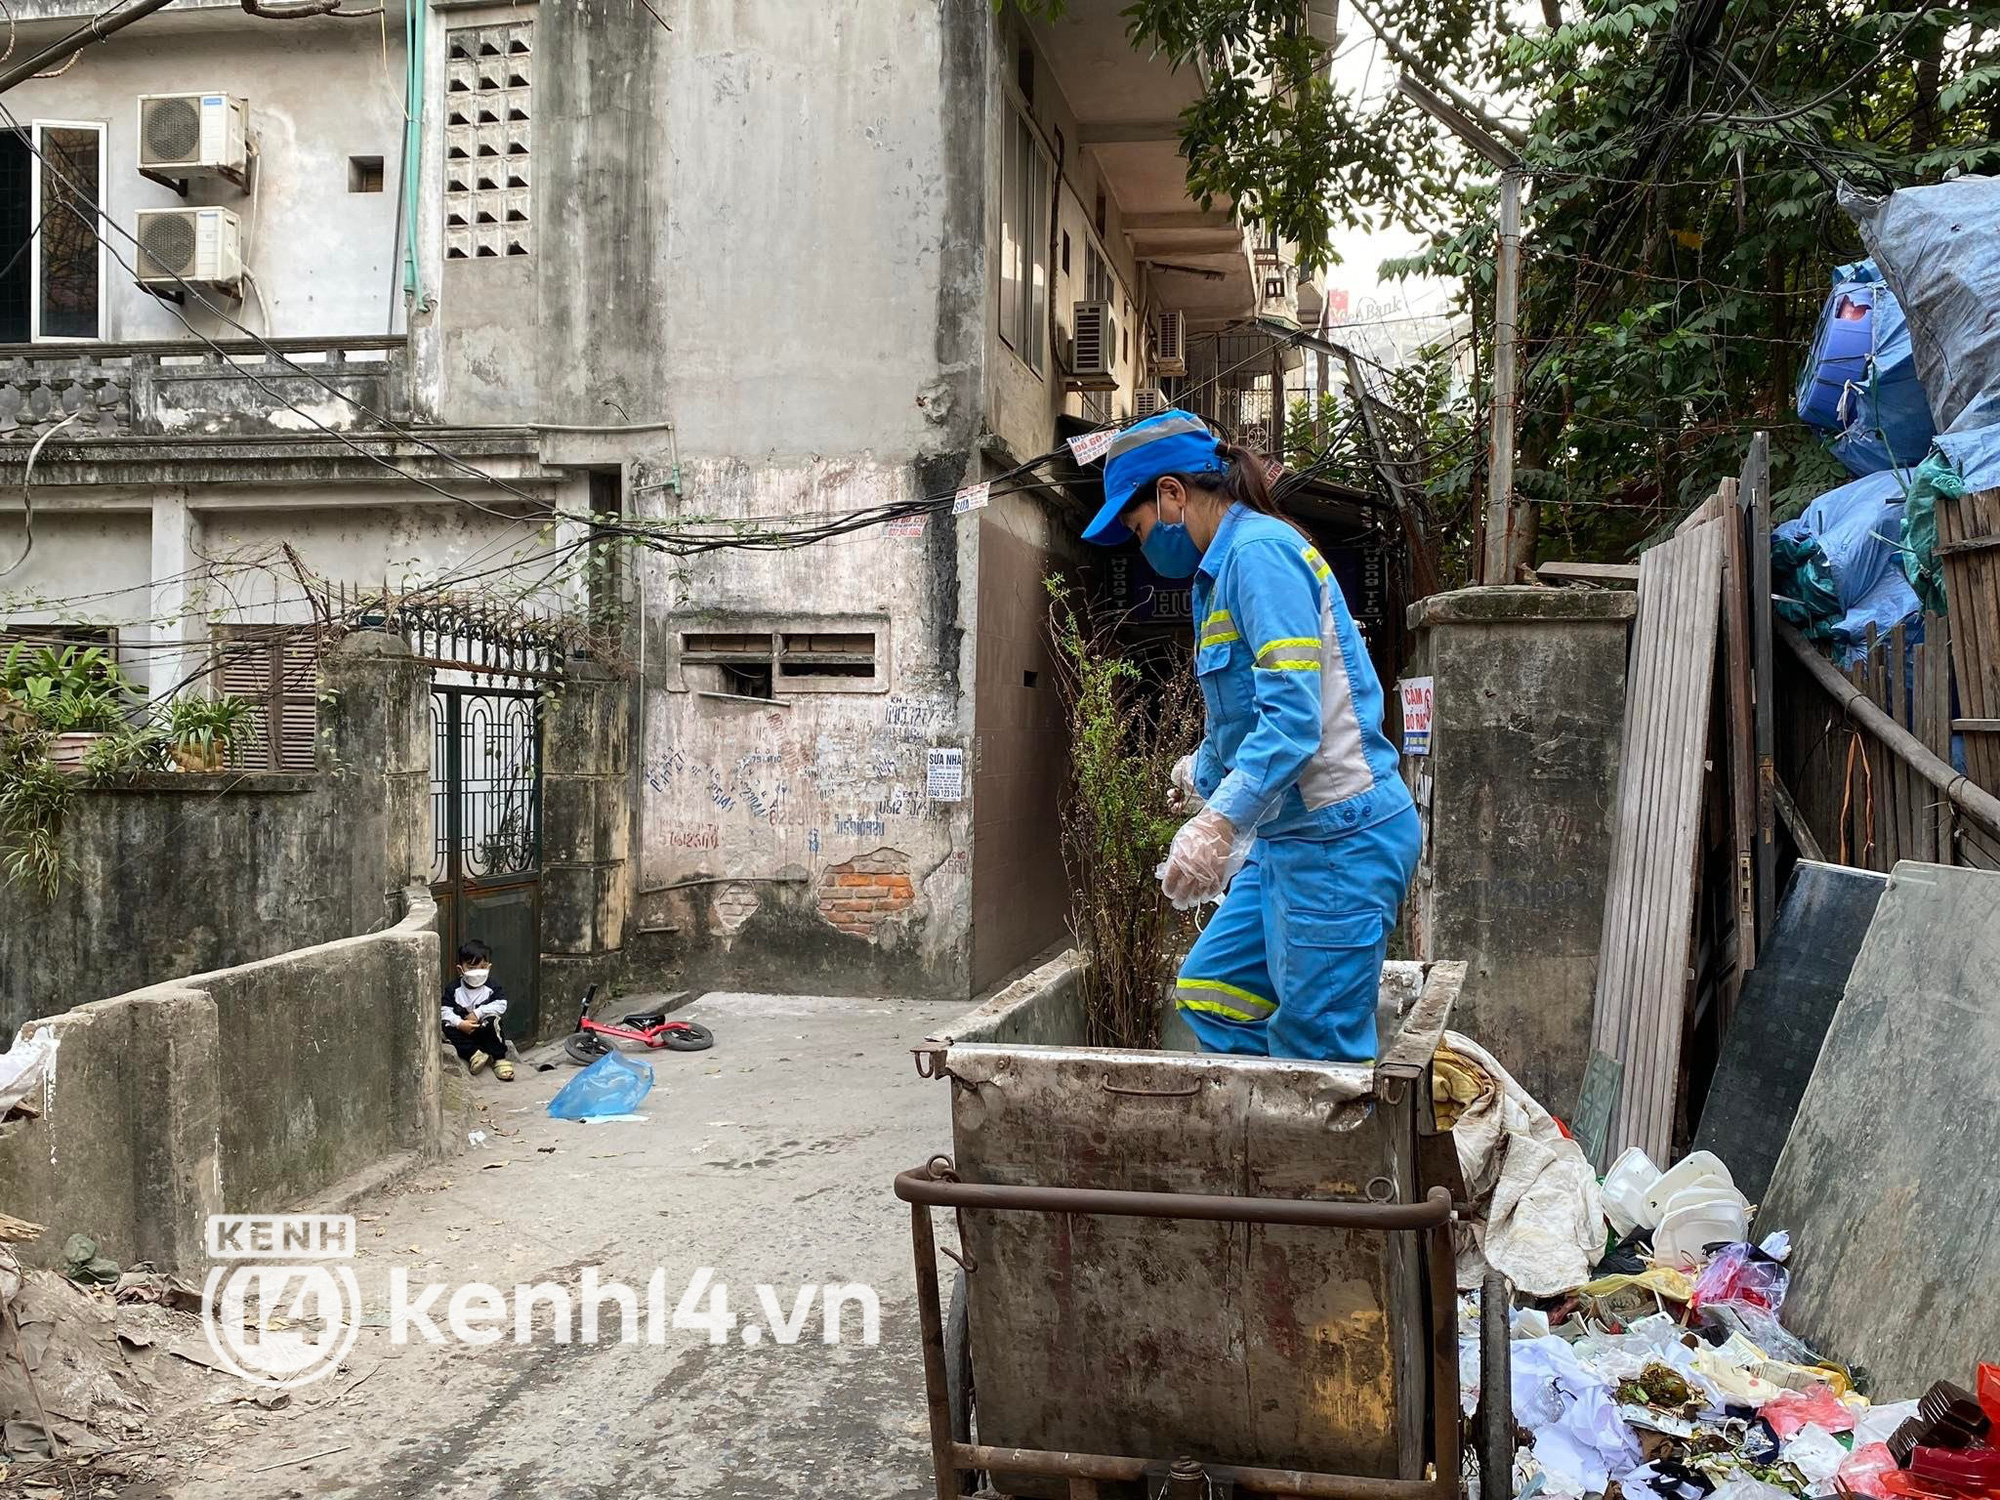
(375, 744)
(587, 803)
(1518, 794)
(173, 560)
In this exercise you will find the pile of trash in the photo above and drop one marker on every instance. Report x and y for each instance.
(1670, 1376)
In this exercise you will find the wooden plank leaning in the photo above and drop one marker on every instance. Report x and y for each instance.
(1650, 903)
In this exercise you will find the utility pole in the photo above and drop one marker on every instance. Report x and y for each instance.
(95, 30)
(1510, 541)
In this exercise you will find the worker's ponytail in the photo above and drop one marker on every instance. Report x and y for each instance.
(1247, 482)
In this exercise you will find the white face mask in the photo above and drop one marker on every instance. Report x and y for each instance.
(475, 979)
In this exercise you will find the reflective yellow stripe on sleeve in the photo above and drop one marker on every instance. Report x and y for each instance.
(1317, 563)
(1297, 661)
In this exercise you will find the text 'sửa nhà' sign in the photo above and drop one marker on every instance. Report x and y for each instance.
(1416, 715)
(944, 774)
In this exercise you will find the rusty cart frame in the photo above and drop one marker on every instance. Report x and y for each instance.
(1136, 1331)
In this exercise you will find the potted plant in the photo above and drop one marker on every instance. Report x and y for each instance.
(77, 695)
(201, 730)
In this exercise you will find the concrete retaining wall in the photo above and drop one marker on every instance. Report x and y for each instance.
(179, 874)
(248, 1089)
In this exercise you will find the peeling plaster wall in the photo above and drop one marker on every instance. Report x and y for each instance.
(819, 202)
(753, 812)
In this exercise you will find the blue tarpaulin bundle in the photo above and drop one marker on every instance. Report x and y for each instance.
(1860, 381)
(1939, 248)
(1960, 462)
(1834, 570)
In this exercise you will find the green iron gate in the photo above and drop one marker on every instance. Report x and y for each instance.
(486, 832)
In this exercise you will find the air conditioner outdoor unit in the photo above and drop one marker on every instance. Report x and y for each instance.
(1147, 401)
(1094, 348)
(1170, 356)
(194, 135)
(189, 244)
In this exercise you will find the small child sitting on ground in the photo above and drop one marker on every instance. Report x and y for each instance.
(471, 1011)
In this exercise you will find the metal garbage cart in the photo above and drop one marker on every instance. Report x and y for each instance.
(1187, 1274)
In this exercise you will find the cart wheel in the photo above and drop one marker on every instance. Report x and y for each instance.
(958, 1374)
(1495, 1435)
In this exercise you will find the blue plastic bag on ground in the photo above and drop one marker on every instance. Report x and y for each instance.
(1939, 248)
(613, 1085)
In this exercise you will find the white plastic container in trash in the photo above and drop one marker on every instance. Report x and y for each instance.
(1691, 1169)
(1625, 1189)
(1698, 1219)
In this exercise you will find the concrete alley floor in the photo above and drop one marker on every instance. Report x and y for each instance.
(768, 1158)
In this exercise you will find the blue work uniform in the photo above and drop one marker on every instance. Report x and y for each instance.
(1290, 965)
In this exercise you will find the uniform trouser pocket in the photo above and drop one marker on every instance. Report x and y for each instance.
(1328, 912)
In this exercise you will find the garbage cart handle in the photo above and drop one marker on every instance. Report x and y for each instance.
(922, 1186)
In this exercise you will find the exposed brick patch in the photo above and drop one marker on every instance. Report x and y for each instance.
(734, 905)
(858, 897)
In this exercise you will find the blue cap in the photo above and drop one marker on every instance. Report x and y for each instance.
(1174, 442)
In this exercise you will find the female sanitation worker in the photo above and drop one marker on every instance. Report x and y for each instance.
(1294, 760)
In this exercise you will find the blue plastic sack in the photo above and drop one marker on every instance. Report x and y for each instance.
(1939, 248)
(1888, 603)
(1860, 381)
(613, 1085)
(1833, 555)
(1960, 463)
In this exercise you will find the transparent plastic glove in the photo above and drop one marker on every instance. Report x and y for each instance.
(1202, 857)
(1182, 797)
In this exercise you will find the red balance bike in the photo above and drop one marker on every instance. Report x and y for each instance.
(655, 1029)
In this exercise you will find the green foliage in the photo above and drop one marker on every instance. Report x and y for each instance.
(77, 689)
(1680, 228)
(1126, 732)
(205, 728)
(34, 798)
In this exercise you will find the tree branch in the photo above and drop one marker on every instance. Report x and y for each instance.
(1510, 133)
(298, 10)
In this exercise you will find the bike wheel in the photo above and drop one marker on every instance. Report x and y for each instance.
(585, 1046)
(688, 1037)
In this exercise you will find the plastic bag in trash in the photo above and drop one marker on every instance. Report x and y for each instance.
(1761, 1329)
(1794, 1411)
(613, 1085)
(1863, 1471)
(1817, 1455)
(1742, 1276)
(1989, 1392)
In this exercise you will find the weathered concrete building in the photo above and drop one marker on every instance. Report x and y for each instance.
(724, 271)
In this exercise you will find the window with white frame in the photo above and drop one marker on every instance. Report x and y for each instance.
(1025, 175)
(51, 250)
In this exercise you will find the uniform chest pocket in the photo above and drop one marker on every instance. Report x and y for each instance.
(1223, 670)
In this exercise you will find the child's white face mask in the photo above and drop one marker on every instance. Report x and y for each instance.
(475, 979)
